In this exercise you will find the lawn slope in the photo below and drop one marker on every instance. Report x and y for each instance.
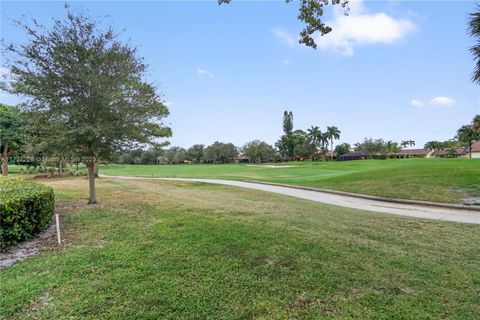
(177, 250)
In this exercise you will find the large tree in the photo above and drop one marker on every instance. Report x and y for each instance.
(302, 147)
(314, 135)
(79, 76)
(286, 144)
(392, 147)
(434, 145)
(176, 155)
(476, 123)
(371, 146)
(258, 151)
(310, 12)
(474, 29)
(11, 133)
(220, 152)
(196, 153)
(467, 135)
(287, 122)
(405, 143)
(342, 149)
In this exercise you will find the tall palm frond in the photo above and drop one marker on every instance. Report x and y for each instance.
(474, 30)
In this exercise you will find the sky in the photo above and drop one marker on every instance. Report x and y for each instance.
(396, 70)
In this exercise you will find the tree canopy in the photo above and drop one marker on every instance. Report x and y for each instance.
(467, 135)
(310, 12)
(11, 133)
(220, 152)
(258, 151)
(196, 153)
(342, 149)
(476, 123)
(434, 145)
(86, 89)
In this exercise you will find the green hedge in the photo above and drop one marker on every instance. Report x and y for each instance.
(26, 208)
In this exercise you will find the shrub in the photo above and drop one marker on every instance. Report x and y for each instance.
(26, 208)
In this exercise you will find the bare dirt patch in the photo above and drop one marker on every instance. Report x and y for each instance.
(28, 248)
(45, 240)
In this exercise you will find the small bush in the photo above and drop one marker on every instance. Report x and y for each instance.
(26, 208)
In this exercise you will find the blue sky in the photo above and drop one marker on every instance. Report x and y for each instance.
(392, 69)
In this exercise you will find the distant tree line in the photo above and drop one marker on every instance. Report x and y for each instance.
(255, 151)
(217, 152)
(312, 144)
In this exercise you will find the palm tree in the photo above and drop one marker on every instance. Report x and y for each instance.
(476, 123)
(333, 133)
(406, 143)
(314, 135)
(323, 139)
(467, 135)
(474, 29)
(434, 146)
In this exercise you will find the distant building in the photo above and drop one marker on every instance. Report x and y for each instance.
(241, 158)
(328, 155)
(353, 156)
(456, 152)
(413, 153)
(460, 152)
(476, 149)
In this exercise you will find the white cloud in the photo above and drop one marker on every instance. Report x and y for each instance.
(203, 72)
(285, 62)
(416, 103)
(349, 32)
(443, 101)
(358, 28)
(285, 37)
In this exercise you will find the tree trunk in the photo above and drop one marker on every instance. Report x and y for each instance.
(95, 166)
(92, 199)
(470, 149)
(5, 160)
(331, 149)
(60, 168)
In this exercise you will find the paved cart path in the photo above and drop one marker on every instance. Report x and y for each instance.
(409, 210)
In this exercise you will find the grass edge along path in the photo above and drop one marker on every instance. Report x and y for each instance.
(437, 180)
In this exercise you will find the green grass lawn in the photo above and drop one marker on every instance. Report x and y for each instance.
(441, 180)
(176, 250)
